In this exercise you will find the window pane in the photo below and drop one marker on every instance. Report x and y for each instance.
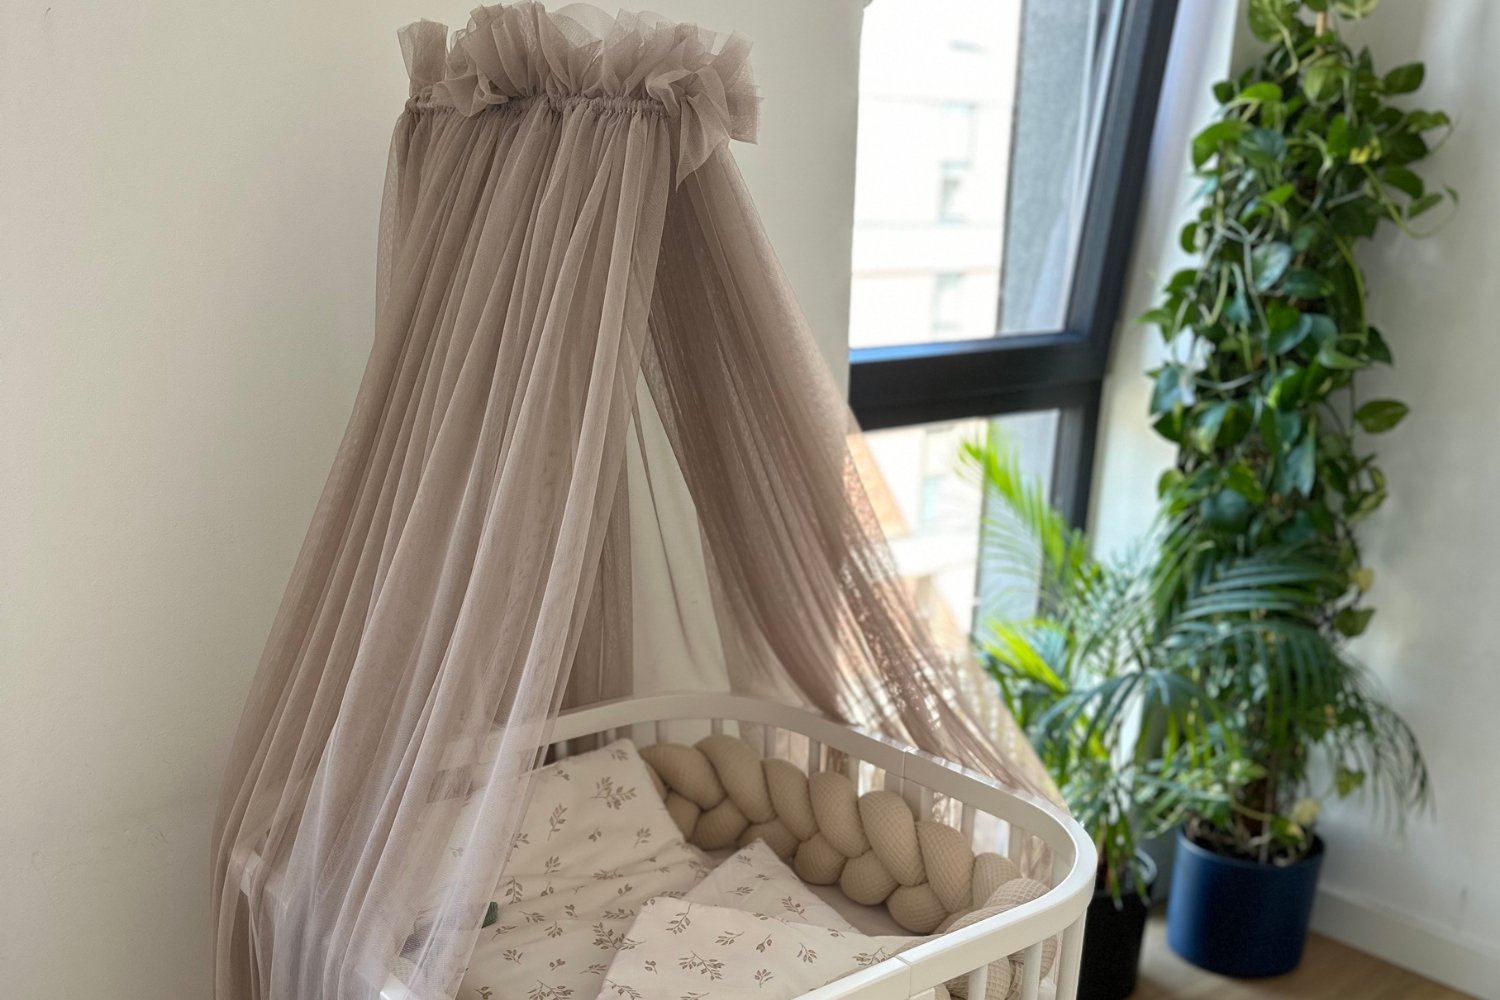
(971, 164)
(931, 511)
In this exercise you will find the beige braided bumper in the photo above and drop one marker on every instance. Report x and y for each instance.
(722, 794)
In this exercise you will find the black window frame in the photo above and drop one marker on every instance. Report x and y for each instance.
(1051, 370)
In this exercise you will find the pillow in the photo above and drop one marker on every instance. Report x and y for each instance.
(596, 843)
(679, 948)
(596, 811)
(755, 880)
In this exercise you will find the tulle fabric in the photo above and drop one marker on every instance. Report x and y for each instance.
(561, 221)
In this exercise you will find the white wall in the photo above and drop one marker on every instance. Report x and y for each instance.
(188, 207)
(1429, 899)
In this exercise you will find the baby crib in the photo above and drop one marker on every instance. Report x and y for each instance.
(919, 778)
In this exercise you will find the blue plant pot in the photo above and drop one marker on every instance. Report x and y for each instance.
(1238, 917)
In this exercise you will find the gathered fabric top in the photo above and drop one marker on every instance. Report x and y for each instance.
(633, 63)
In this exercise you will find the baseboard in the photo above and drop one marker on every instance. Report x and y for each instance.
(1466, 965)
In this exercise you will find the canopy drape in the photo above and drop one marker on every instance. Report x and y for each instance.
(562, 225)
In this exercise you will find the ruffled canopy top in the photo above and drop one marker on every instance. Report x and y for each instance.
(511, 52)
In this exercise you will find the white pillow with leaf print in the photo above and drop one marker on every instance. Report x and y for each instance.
(591, 812)
(597, 843)
(755, 880)
(677, 948)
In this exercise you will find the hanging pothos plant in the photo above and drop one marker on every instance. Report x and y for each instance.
(1311, 153)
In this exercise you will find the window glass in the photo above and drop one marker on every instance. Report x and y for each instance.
(932, 511)
(971, 162)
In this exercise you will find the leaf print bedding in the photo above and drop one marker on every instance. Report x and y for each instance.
(678, 948)
(596, 844)
(754, 879)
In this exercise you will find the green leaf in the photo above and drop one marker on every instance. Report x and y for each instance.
(1333, 358)
(1355, 9)
(1270, 19)
(1304, 283)
(1404, 147)
(1286, 391)
(1263, 147)
(1422, 121)
(1281, 341)
(1268, 262)
(1280, 428)
(1226, 510)
(1259, 93)
(1340, 138)
(1169, 426)
(1403, 180)
(1353, 621)
(1237, 309)
(491, 914)
(1422, 204)
(1173, 389)
(1182, 280)
(1206, 143)
(1242, 479)
(1168, 482)
(1380, 415)
(1279, 194)
(1300, 468)
(1347, 781)
(1376, 347)
(1357, 218)
(1404, 79)
(1207, 425)
(1189, 238)
(1323, 328)
(1323, 80)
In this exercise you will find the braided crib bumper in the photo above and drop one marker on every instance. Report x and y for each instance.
(721, 793)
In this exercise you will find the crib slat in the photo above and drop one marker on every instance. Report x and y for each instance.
(1031, 972)
(1069, 961)
(560, 750)
(1015, 842)
(716, 726)
(767, 741)
(979, 983)
(966, 824)
(661, 732)
(814, 756)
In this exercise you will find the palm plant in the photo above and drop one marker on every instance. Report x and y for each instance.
(1093, 662)
(1155, 684)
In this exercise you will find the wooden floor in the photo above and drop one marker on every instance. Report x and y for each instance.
(1328, 970)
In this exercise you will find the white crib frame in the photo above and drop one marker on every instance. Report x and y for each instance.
(916, 775)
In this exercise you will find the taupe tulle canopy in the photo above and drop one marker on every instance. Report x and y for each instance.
(594, 453)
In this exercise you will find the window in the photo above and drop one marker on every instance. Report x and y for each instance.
(1002, 146)
(947, 305)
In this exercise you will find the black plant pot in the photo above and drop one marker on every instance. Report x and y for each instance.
(1238, 917)
(1112, 942)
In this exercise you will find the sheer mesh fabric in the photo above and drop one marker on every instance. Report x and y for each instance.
(561, 220)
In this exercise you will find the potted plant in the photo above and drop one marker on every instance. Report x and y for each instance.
(1268, 334)
(1080, 673)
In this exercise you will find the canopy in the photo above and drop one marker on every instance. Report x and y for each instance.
(594, 452)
